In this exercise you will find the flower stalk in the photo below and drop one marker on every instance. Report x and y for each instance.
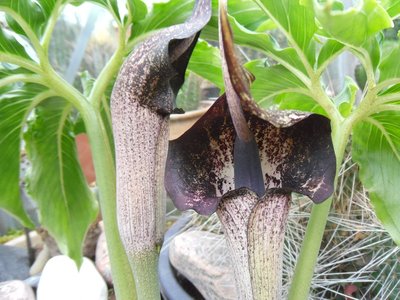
(140, 145)
(234, 212)
(266, 233)
(255, 230)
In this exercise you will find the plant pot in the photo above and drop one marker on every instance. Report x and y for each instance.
(180, 123)
(85, 157)
(173, 285)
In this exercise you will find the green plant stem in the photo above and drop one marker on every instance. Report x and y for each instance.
(22, 62)
(291, 41)
(51, 24)
(341, 130)
(326, 63)
(124, 285)
(32, 78)
(386, 107)
(145, 267)
(108, 71)
(386, 83)
(25, 27)
(105, 178)
(308, 256)
(319, 95)
(388, 98)
(35, 102)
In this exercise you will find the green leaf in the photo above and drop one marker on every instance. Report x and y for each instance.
(56, 182)
(360, 76)
(110, 5)
(246, 12)
(206, 62)
(346, 98)
(266, 26)
(374, 51)
(295, 20)
(189, 95)
(30, 11)
(48, 6)
(295, 101)
(271, 81)
(354, 25)
(137, 9)
(376, 149)
(14, 106)
(34, 13)
(7, 71)
(263, 42)
(245, 37)
(390, 67)
(163, 15)
(87, 82)
(10, 45)
(330, 49)
(393, 89)
(392, 7)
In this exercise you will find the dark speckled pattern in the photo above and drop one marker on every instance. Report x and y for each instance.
(142, 99)
(299, 158)
(295, 149)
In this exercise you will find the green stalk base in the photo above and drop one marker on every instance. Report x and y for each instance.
(145, 269)
(124, 285)
(300, 286)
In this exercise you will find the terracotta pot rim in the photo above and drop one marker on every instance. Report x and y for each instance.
(204, 106)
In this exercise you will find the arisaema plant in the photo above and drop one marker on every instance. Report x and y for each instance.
(243, 159)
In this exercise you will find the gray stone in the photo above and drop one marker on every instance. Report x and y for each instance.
(33, 281)
(16, 290)
(102, 260)
(20, 242)
(14, 263)
(62, 280)
(202, 258)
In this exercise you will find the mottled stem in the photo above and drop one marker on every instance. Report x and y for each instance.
(141, 142)
(266, 232)
(143, 97)
(255, 230)
(234, 212)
